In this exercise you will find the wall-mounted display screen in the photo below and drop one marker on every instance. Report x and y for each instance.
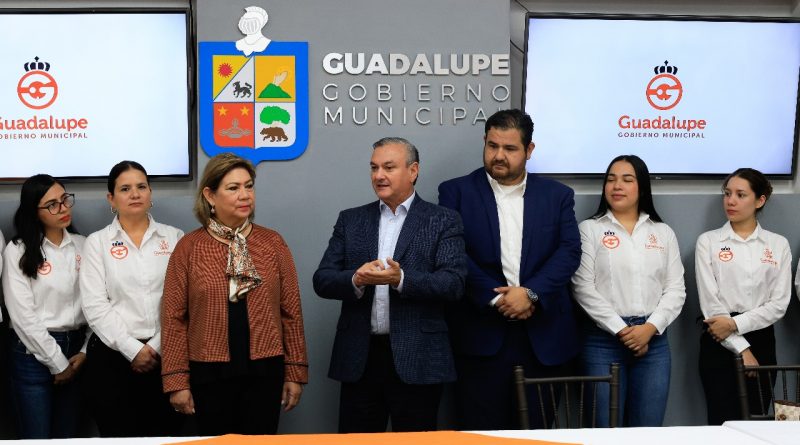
(690, 96)
(82, 90)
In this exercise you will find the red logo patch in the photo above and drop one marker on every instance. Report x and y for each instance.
(725, 254)
(119, 252)
(611, 241)
(45, 268)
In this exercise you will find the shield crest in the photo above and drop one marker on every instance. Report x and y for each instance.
(254, 106)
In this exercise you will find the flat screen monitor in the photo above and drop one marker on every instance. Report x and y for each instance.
(81, 90)
(689, 95)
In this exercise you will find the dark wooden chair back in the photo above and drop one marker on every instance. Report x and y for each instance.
(567, 398)
(774, 382)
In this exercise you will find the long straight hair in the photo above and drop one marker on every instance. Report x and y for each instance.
(29, 228)
(642, 179)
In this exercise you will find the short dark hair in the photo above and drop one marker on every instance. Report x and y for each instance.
(642, 180)
(27, 225)
(121, 168)
(513, 118)
(758, 182)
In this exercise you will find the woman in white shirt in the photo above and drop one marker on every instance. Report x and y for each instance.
(630, 283)
(40, 284)
(744, 284)
(121, 281)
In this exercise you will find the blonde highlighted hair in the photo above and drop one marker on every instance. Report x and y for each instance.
(216, 169)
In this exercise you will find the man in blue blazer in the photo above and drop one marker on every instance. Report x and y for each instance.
(394, 263)
(523, 246)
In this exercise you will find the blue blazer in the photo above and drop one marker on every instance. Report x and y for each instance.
(551, 251)
(430, 250)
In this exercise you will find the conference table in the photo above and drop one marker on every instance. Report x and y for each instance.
(731, 433)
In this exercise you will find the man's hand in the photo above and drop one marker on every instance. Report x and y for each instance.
(637, 337)
(374, 273)
(514, 303)
(720, 327)
(146, 360)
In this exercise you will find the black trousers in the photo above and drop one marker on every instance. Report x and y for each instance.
(485, 392)
(366, 406)
(718, 375)
(245, 404)
(125, 403)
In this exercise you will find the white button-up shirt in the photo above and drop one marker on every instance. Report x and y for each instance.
(121, 285)
(624, 275)
(510, 200)
(750, 276)
(51, 302)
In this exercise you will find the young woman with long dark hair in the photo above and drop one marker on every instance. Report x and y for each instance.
(40, 284)
(630, 283)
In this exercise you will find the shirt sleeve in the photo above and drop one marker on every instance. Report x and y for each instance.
(29, 327)
(775, 306)
(708, 292)
(597, 306)
(104, 320)
(673, 294)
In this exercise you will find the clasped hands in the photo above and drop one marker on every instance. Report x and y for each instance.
(637, 338)
(514, 302)
(376, 273)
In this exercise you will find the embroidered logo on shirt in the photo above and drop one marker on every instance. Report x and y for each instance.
(652, 243)
(768, 258)
(164, 248)
(45, 268)
(610, 240)
(725, 254)
(118, 250)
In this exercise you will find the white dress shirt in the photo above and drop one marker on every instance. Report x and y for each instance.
(121, 285)
(388, 232)
(625, 275)
(750, 276)
(510, 201)
(51, 302)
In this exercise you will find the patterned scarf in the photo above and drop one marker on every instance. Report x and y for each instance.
(241, 271)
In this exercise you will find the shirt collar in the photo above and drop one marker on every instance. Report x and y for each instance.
(405, 205)
(609, 216)
(64, 242)
(507, 190)
(728, 233)
(152, 227)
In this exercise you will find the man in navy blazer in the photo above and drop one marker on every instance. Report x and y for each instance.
(395, 264)
(523, 246)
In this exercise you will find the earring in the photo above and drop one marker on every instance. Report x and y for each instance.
(152, 204)
(113, 210)
(212, 209)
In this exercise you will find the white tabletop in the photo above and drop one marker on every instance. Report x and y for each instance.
(733, 433)
(773, 432)
(675, 435)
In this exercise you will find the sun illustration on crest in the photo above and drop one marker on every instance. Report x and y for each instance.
(225, 70)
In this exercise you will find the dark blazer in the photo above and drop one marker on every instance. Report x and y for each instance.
(551, 251)
(430, 250)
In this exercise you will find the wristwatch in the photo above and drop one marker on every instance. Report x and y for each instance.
(533, 296)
